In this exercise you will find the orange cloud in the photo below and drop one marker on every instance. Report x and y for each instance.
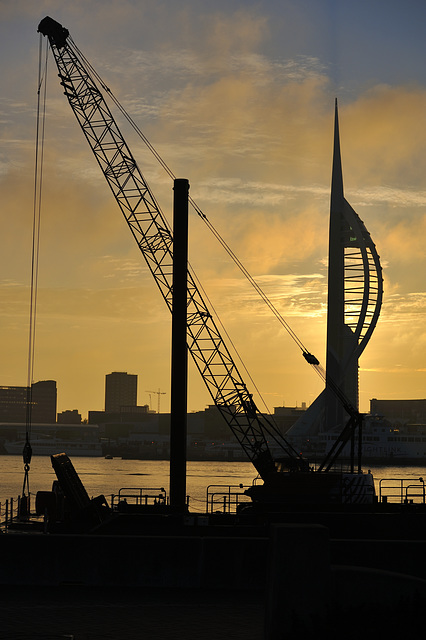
(254, 137)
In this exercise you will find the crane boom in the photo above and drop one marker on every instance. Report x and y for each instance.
(154, 239)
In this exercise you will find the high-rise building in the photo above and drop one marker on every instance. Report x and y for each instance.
(44, 399)
(120, 391)
(14, 402)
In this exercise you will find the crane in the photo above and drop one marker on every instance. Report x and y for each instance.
(253, 430)
(151, 232)
(158, 393)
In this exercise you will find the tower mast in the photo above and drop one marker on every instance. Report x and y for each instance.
(355, 289)
(340, 339)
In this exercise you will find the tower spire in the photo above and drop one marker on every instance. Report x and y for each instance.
(336, 331)
(337, 174)
(355, 290)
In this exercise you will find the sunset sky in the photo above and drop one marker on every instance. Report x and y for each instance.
(238, 97)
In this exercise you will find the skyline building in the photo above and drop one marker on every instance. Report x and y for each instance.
(400, 412)
(120, 391)
(44, 401)
(13, 403)
(355, 291)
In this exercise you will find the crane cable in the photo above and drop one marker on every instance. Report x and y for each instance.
(38, 178)
(309, 357)
(142, 136)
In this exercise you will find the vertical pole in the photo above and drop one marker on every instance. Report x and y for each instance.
(178, 409)
(360, 424)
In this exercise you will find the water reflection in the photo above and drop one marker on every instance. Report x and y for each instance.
(101, 476)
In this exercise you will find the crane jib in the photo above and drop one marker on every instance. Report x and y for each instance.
(151, 232)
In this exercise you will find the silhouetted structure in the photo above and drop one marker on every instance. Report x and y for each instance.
(120, 391)
(400, 411)
(355, 290)
(44, 400)
(13, 403)
(69, 417)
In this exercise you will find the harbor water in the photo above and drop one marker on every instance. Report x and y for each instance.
(107, 477)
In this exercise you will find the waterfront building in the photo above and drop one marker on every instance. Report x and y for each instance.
(13, 403)
(120, 391)
(44, 401)
(285, 417)
(400, 412)
(69, 417)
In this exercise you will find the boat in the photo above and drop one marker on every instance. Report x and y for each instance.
(51, 446)
(382, 443)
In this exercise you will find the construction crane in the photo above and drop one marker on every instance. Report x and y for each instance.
(158, 393)
(253, 430)
(151, 232)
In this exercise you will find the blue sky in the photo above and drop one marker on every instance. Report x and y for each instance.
(238, 97)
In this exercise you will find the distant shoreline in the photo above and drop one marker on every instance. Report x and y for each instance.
(239, 456)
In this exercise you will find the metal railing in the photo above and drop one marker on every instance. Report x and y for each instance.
(225, 498)
(402, 490)
(14, 509)
(140, 496)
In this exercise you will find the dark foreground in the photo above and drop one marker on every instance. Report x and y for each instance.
(86, 613)
(81, 613)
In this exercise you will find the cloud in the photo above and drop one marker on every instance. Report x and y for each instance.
(383, 133)
(406, 239)
(253, 133)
